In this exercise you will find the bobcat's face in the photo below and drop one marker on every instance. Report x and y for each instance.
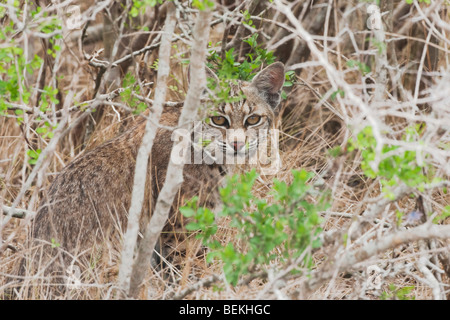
(235, 130)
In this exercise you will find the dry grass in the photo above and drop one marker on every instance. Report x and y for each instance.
(309, 129)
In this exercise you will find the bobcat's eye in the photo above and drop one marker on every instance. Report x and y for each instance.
(252, 120)
(219, 121)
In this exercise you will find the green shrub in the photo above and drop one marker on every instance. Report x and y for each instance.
(280, 230)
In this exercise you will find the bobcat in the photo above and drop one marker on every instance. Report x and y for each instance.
(87, 203)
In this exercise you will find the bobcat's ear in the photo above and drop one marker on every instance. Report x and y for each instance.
(269, 82)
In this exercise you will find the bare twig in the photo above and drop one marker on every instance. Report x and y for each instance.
(174, 176)
(41, 162)
(204, 283)
(137, 199)
(337, 80)
(350, 259)
(17, 213)
(237, 39)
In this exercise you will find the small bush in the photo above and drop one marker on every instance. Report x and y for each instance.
(285, 229)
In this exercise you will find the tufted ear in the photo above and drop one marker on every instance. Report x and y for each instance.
(269, 82)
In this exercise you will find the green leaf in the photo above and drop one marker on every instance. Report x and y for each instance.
(187, 212)
(335, 93)
(41, 130)
(192, 226)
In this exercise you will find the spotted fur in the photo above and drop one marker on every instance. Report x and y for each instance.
(86, 206)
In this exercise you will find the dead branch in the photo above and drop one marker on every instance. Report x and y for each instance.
(17, 213)
(348, 260)
(137, 199)
(204, 283)
(174, 177)
(237, 39)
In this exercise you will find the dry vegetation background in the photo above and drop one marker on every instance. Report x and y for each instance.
(402, 79)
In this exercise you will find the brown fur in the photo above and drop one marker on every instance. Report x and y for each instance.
(87, 204)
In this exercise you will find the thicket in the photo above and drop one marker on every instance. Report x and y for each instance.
(359, 208)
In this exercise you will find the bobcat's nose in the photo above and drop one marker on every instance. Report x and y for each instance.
(238, 145)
